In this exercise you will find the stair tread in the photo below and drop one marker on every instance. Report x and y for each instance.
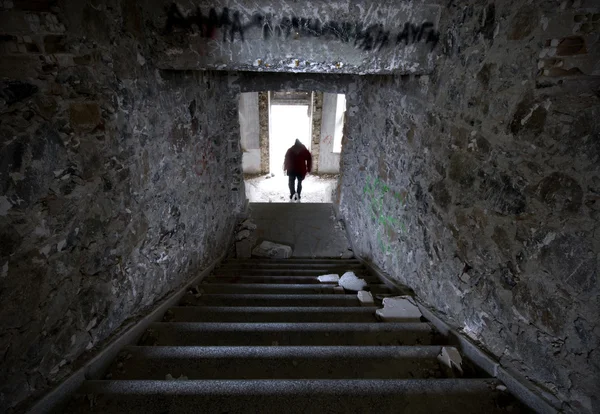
(285, 362)
(271, 314)
(274, 309)
(287, 326)
(279, 279)
(415, 396)
(287, 386)
(264, 335)
(283, 288)
(354, 351)
(273, 299)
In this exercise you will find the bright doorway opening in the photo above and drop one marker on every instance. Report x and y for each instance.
(270, 123)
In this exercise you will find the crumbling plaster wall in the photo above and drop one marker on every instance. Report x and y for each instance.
(479, 186)
(118, 182)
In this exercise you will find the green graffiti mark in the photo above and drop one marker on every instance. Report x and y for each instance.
(379, 196)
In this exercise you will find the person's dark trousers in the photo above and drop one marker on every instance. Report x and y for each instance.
(292, 179)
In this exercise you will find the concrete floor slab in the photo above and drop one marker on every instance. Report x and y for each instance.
(315, 189)
(310, 228)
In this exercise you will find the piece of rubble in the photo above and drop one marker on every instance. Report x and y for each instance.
(248, 224)
(351, 282)
(365, 298)
(451, 358)
(272, 250)
(399, 309)
(329, 278)
(348, 254)
(244, 234)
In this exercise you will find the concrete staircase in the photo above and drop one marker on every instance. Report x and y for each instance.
(266, 336)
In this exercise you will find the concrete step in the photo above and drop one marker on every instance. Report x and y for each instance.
(317, 269)
(277, 279)
(415, 396)
(286, 334)
(270, 314)
(293, 265)
(278, 288)
(295, 261)
(283, 272)
(285, 362)
(250, 299)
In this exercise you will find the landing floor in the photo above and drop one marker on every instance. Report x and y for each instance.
(310, 228)
(275, 189)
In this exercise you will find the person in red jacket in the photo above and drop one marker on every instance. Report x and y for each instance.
(298, 163)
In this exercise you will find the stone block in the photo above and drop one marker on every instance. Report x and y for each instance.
(14, 91)
(365, 298)
(55, 44)
(84, 115)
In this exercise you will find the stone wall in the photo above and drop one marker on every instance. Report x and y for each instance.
(317, 116)
(479, 186)
(118, 182)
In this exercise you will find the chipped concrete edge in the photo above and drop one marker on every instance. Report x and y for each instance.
(96, 366)
(526, 391)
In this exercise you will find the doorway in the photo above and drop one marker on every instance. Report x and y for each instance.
(270, 122)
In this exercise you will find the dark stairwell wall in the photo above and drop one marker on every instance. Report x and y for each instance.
(479, 186)
(118, 182)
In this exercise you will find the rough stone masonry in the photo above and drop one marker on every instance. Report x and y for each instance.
(112, 192)
(479, 186)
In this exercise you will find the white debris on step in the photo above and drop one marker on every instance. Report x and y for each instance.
(170, 377)
(329, 278)
(451, 358)
(272, 250)
(365, 298)
(501, 387)
(351, 282)
(399, 309)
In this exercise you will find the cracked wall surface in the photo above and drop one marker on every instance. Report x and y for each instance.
(118, 183)
(479, 186)
(383, 36)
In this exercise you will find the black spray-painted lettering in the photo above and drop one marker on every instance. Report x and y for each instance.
(372, 38)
